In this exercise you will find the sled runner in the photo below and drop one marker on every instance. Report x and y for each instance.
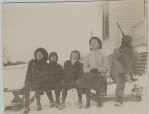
(18, 101)
(136, 93)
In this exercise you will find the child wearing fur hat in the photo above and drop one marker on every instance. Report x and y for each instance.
(35, 77)
(54, 79)
(73, 69)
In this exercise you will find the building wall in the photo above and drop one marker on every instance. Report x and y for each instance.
(127, 13)
(139, 34)
(131, 17)
(109, 43)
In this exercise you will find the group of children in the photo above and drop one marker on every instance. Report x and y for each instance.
(43, 77)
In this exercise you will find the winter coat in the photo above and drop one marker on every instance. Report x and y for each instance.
(54, 76)
(73, 72)
(36, 72)
(122, 61)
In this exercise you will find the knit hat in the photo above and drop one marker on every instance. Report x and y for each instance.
(55, 54)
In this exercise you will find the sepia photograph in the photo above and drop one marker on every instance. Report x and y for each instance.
(68, 57)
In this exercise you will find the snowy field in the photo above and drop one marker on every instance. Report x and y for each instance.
(14, 78)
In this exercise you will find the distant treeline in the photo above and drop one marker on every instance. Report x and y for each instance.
(9, 63)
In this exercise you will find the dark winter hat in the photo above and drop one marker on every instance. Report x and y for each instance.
(75, 51)
(96, 38)
(44, 52)
(55, 54)
(127, 38)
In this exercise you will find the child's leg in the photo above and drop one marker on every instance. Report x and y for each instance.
(79, 92)
(87, 98)
(120, 87)
(57, 95)
(27, 95)
(66, 87)
(49, 95)
(64, 94)
(38, 104)
(103, 89)
(27, 98)
(99, 102)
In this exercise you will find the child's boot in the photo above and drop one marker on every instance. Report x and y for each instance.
(52, 104)
(119, 101)
(57, 103)
(80, 104)
(99, 104)
(62, 105)
(26, 110)
(87, 106)
(38, 105)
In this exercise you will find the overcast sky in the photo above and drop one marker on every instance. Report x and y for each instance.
(60, 27)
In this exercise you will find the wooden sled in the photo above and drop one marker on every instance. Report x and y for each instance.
(136, 93)
(18, 101)
(107, 98)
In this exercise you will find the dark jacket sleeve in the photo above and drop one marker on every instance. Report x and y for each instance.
(43, 73)
(29, 72)
(65, 66)
(117, 53)
(134, 54)
(81, 72)
(116, 66)
(60, 73)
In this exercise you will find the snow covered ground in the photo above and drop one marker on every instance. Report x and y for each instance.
(14, 78)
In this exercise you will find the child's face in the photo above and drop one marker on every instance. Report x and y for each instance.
(94, 44)
(127, 41)
(39, 56)
(74, 56)
(53, 58)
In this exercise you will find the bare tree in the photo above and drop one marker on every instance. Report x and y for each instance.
(6, 55)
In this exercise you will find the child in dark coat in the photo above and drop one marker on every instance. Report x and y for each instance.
(54, 79)
(35, 77)
(73, 69)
